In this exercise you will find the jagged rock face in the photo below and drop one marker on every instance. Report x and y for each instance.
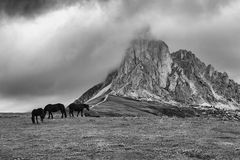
(150, 72)
(210, 85)
(191, 65)
(191, 86)
(145, 69)
(222, 85)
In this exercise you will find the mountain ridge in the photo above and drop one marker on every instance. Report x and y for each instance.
(149, 72)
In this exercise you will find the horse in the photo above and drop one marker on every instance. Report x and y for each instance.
(38, 112)
(54, 108)
(77, 107)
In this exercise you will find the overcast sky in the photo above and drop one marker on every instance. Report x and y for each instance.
(53, 50)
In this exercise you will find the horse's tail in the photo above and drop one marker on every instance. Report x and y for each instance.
(70, 111)
(65, 113)
(33, 119)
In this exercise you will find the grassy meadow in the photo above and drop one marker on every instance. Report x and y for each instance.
(121, 138)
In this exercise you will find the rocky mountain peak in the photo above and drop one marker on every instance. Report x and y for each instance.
(144, 70)
(184, 55)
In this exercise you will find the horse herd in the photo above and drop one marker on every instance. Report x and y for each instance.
(50, 108)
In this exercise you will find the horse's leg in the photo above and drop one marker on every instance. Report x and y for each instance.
(82, 113)
(33, 119)
(49, 115)
(52, 115)
(78, 113)
(62, 113)
(37, 119)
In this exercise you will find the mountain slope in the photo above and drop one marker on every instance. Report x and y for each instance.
(149, 72)
(90, 93)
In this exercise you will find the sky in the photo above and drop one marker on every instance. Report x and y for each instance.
(51, 51)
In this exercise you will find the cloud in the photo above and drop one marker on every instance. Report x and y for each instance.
(57, 56)
(174, 8)
(52, 51)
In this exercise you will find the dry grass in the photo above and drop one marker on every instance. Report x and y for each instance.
(118, 138)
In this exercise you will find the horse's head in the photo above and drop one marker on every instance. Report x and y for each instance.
(45, 111)
(87, 107)
(43, 114)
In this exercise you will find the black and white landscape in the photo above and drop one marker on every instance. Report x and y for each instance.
(161, 79)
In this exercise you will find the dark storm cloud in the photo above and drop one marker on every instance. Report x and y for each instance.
(63, 47)
(26, 7)
(32, 8)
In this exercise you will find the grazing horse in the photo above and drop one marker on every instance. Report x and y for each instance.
(37, 112)
(54, 108)
(78, 108)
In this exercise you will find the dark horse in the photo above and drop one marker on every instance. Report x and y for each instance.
(78, 108)
(54, 108)
(37, 112)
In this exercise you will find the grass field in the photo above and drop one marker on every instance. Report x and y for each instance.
(127, 129)
(145, 137)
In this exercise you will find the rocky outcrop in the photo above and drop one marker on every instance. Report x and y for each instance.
(149, 72)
